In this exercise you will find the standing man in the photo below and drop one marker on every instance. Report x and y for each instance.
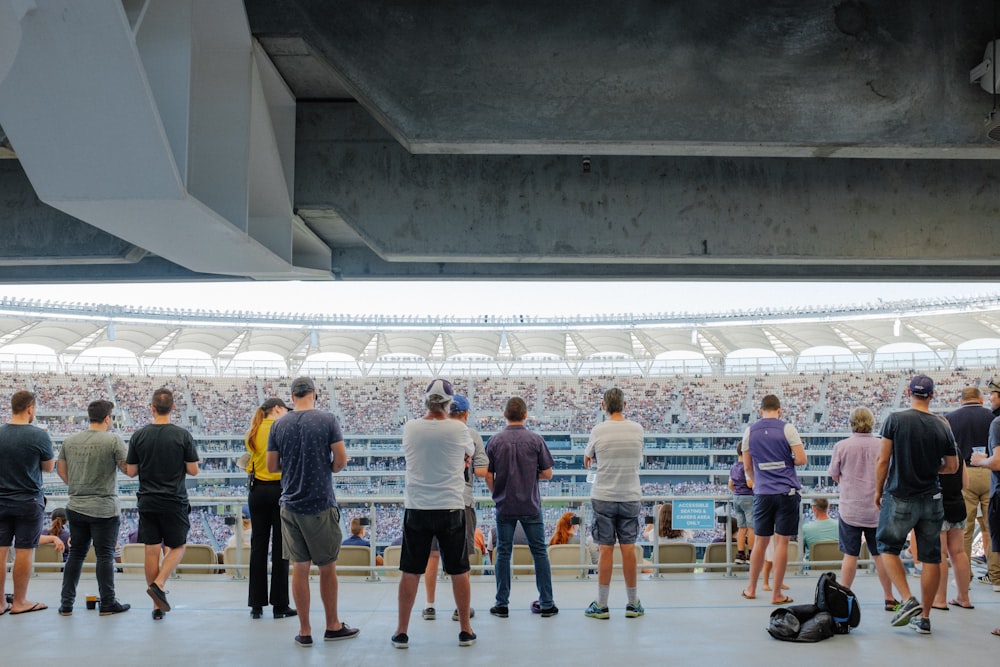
(437, 451)
(916, 446)
(26, 452)
(89, 463)
(991, 461)
(852, 466)
(306, 446)
(519, 458)
(992, 576)
(970, 424)
(771, 450)
(161, 454)
(615, 446)
(477, 467)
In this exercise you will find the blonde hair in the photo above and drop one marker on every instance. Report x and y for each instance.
(862, 420)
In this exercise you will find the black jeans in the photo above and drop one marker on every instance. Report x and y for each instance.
(104, 533)
(266, 523)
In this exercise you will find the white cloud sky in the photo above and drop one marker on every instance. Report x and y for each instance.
(493, 298)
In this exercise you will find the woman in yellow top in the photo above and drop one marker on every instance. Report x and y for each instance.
(265, 490)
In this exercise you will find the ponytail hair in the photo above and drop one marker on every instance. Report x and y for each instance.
(251, 440)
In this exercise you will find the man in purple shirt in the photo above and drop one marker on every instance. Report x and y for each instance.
(771, 450)
(852, 466)
(518, 459)
(742, 506)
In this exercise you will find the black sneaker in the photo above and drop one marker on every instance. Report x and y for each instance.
(66, 610)
(115, 607)
(546, 612)
(500, 610)
(158, 595)
(466, 638)
(454, 614)
(906, 611)
(305, 641)
(921, 625)
(400, 641)
(429, 614)
(345, 632)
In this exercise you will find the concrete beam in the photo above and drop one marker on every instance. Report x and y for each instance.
(750, 217)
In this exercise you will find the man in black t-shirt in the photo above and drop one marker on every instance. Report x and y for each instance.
(161, 454)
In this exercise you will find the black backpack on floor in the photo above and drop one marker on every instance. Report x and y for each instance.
(835, 611)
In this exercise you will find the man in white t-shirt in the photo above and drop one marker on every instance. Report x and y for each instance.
(615, 446)
(436, 450)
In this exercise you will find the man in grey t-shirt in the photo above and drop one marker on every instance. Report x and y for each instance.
(615, 446)
(89, 463)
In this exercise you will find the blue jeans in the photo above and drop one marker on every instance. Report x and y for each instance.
(534, 531)
(104, 533)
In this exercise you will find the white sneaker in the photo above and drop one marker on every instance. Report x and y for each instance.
(996, 588)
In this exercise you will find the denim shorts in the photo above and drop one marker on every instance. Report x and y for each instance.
(615, 521)
(921, 514)
(743, 511)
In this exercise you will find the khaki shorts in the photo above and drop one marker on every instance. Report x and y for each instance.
(311, 537)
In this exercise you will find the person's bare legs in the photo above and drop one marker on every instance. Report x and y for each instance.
(605, 563)
(848, 570)
(300, 593)
(4, 552)
(405, 597)
(328, 593)
(741, 539)
(628, 565)
(780, 564)
(883, 578)
(954, 541)
(171, 559)
(928, 586)
(430, 577)
(461, 588)
(941, 592)
(23, 559)
(151, 567)
(896, 572)
(756, 565)
(766, 571)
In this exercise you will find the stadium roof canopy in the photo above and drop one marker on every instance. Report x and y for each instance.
(74, 329)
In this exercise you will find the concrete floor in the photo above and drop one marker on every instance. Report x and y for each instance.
(690, 619)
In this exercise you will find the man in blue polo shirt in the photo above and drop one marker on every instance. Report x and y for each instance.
(771, 450)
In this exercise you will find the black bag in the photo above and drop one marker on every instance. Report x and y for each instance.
(804, 623)
(840, 601)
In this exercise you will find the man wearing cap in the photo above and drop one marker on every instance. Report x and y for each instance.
(437, 450)
(26, 452)
(162, 454)
(970, 424)
(991, 461)
(771, 450)
(476, 467)
(306, 446)
(916, 447)
(89, 463)
(519, 458)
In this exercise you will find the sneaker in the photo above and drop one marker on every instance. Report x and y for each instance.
(546, 612)
(984, 579)
(305, 641)
(400, 641)
(500, 610)
(429, 614)
(454, 614)
(907, 610)
(66, 610)
(741, 558)
(996, 588)
(593, 611)
(634, 610)
(115, 607)
(345, 632)
(159, 595)
(921, 625)
(466, 638)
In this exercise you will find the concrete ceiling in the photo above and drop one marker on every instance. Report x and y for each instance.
(772, 139)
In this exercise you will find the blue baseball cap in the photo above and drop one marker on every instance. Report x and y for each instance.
(921, 386)
(459, 403)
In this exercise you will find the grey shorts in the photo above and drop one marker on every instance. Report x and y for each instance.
(311, 537)
(615, 522)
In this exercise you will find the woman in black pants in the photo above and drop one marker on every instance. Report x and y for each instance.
(265, 490)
